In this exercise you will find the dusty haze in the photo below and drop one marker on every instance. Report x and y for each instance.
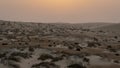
(73, 11)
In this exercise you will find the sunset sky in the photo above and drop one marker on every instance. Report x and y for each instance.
(68, 11)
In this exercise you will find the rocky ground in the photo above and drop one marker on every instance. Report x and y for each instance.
(38, 45)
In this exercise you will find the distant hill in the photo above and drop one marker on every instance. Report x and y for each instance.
(57, 27)
(95, 25)
(111, 27)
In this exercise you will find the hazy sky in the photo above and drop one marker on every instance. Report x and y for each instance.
(73, 11)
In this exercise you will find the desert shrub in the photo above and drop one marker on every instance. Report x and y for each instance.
(14, 59)
(20, 43)
(86, 60)
(95, 39)
(70, 47)
(76, 66)
(26, 43)
(45, 65)
(116, 37)
(45, 56)
(91, 44)
(97, 43)
(14, 65)
(112, 50)
(1, 39)
(101, 31)
(50, 45)
(116, 61)
(117, 54)
(31, 49)
(78, 48)
(76, 43)
(108, 47)
(2, 55)
(24, 55)
(21, 49)
(86, 30)
(10, 36)
(4, 43)
(56, 59)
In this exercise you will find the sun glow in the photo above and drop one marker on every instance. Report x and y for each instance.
(60, 4)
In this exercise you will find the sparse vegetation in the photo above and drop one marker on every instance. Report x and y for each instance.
(4, 44)
(14, 65)
(57, 45)
(112, 50)
(91, 44)
(116, 61)
(78, 49)
(2, 55)
(24, 55)
(31, 49)
(45, 65)
(86, 60)
(55, 59)
(76, 66)
(13, 59)
(45, 56)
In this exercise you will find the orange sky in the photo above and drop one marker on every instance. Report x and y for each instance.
(73, 11)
